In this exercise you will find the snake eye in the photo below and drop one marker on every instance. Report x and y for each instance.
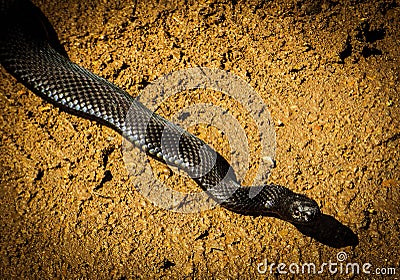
(296, 213)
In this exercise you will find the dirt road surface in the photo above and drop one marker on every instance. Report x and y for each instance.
(328, 72)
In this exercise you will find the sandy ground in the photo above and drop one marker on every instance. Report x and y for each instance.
(329, 74)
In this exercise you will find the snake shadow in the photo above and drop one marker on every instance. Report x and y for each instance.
(329, 231)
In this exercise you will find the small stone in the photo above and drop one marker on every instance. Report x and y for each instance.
(45, 108)
(165, 171)
(279, 123)
(349, 184)
(270, 161)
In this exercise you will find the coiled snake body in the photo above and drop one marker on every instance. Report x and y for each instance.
(27, 53)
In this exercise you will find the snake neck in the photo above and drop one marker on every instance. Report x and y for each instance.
(256, 200)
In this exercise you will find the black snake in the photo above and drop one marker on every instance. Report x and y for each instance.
(27, 53)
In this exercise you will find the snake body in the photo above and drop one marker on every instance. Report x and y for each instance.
(27, 53)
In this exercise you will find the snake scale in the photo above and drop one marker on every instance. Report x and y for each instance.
(27, 54)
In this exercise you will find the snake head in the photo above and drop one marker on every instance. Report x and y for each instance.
(300, 209)
(290, 206)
